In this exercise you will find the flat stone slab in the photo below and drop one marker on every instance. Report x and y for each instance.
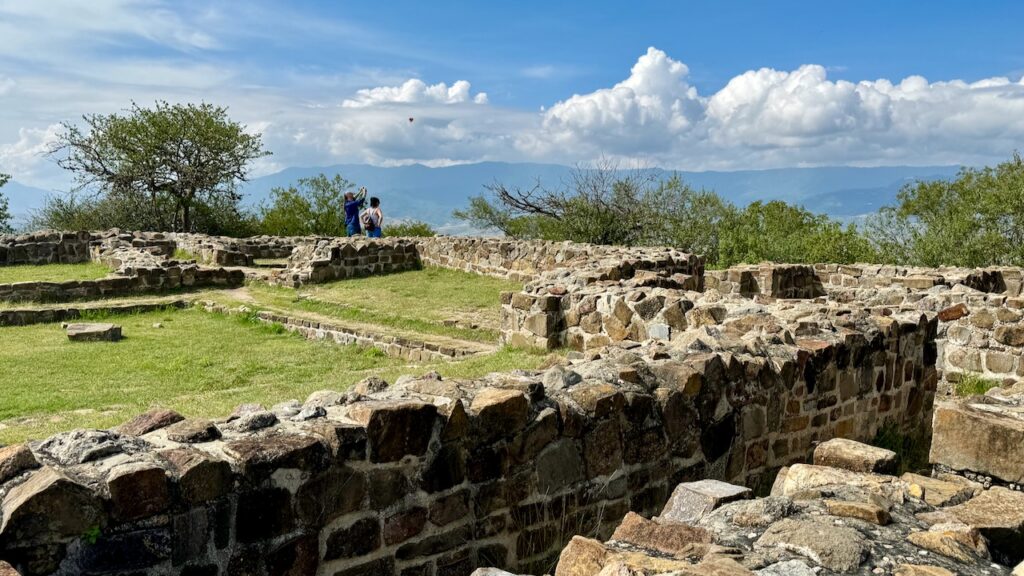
(987, 439)
(691, 501)
(81, 332)
(854, 456)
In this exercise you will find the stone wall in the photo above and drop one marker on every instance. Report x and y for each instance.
(171, 276)
(226, 251)
(336, 259)
(432, 476)
(46, 247)
(28, 316)
(775, 280)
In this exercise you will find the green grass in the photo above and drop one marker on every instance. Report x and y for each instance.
(182, 254)
(911, 449)
(973, 384)
(198, 363)
(52, 272)
(417, 301)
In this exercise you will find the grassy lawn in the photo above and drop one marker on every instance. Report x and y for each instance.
(52, 272)
(198, 363)
(417, 301)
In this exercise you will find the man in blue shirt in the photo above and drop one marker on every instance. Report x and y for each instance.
(353, 204)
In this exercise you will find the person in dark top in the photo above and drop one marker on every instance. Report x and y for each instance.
(353, 204)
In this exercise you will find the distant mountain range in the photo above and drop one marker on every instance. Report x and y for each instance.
(431, 194)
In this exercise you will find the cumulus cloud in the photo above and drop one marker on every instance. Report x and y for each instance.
(24, 155)
(770, 118)
(416, 91)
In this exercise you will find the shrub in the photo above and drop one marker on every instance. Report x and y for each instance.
(409, 229)
(973, 384)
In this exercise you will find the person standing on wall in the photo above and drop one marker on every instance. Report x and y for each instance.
(353, 204)
(373, 219)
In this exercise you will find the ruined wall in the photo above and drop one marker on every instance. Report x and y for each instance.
(336, 259)
(141, 281)
(226, 251)
(775, 280)
(46, 247)
(432, 476)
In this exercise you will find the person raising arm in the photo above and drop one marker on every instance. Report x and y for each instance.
(353, 204)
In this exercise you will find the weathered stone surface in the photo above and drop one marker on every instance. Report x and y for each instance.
(395, 429)
(82, 446)
(939, 492)
(1010, 335)
(259, 456)
(954, 312)
(193, 431)
(787, 568)
(837, 548)
(145, 423)
(48, 506)
(956, 541)
(865, 511)
(921, 570)
(998, 514)
(668, 538)
(15, 460)
(361, 537)
(252, 421)
(691, 501)
(200, 477)
(93, 332)
(499, 412)
(581, 557)
(137, 490)
(967, 437)
(804, 477)
(854, 456)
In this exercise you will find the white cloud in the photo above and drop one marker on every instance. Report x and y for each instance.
(23, 156)
(416, 91)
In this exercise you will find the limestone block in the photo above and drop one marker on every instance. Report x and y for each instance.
(80, 332)
(985, 441)
(865, 511)
(837, 548)
(147, 422)
(664, 538)
(691, 501)
(998, 514)
(854, 456)
(939, 492)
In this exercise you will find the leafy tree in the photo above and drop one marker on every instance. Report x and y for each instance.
(162, 164)
(976, 219)
(315, 207)
(600, 205)
(781, 232)
(5, 213)
(688, 219)
(409, 229)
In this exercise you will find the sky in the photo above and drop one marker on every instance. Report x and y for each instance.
(690, 85)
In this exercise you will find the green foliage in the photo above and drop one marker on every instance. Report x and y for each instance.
(606, 206)
(974, 220)
(170, 167)
(182, 254)
(315, 207)
(409, 229)
(911, 448)
(5, 214)
(92, 535)
(781, 232)
(973, 384)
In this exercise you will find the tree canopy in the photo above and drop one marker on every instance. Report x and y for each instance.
(315, 206)
(5, 213)
(163, 166)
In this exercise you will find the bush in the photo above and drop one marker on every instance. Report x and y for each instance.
(974, 220)
(315, 207)
(5, 214)
(409, 229)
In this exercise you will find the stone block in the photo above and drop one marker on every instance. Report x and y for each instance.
(837, 548)
(691, 501)
(499, 412)
(866, 511)
(80, 332)
(16, 460)
(998, 514)
(559, 466)
(137, 490)
(938, 492)
(854, 456)
(48, 506)
(145, 423)
(983, 441)
(199, 476)
(395, 429)
(1010, 335)
(193, 431)
(665, 538)
(258, 457)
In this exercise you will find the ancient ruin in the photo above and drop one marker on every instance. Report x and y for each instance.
(682, 393)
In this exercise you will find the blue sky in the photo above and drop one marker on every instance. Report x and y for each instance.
(693, 85)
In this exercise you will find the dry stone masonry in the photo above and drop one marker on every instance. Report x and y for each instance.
(685, 394)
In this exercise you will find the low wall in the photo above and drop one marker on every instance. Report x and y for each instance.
(46, 247)
(140, 281)
(431, 476)
(28, 316)
(775, 280)
(336, 259)
(226, 251)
